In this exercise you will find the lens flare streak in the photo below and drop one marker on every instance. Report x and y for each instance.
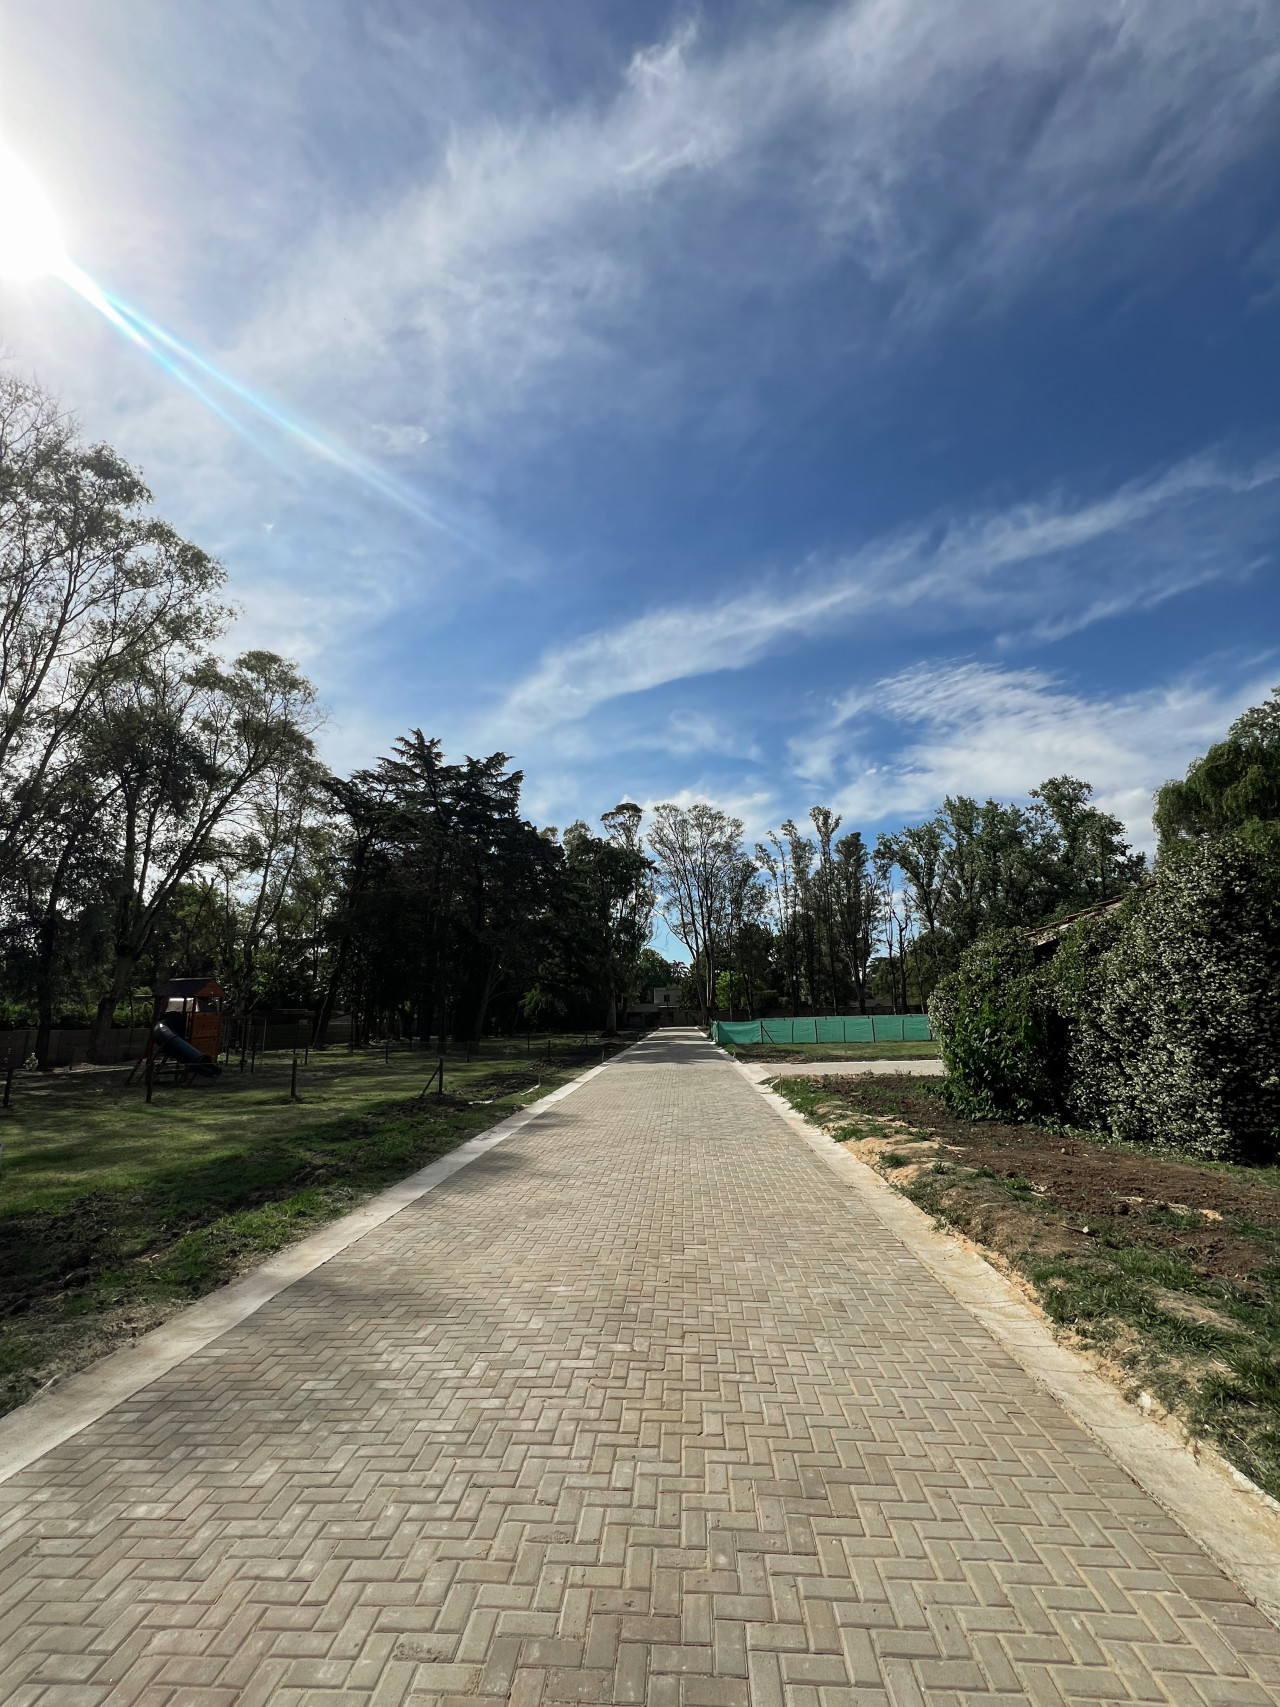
(31, 245)
(367, 472)
(179, 359)
(84, 286)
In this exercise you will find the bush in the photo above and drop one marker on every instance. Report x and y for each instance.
(1190, 1007)
(1000, 1037)
(1159, 1023)
(1075, 983)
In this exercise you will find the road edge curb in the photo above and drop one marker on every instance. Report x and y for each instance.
(1236, 1523)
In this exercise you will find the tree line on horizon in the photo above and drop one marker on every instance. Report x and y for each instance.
(164, 812)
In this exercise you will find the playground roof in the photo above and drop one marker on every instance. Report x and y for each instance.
(189, 988)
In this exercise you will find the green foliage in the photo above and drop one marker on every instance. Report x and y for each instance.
(652, 973)
(999, 1036)
(1075, 986)
(1158, 1024)
(1233, 790)
(1189, 1012)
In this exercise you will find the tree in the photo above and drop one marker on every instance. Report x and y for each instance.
(919, 853)
(277, 841)
(93, 587)
(782, 903)
(444, 894)
(696, 849)
(610, 915)
(1089, 859)
(857, 904)
(182, 744)
(63, 872)
(1233, 790)
(651, 972)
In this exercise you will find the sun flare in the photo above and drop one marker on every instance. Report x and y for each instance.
(30, 239)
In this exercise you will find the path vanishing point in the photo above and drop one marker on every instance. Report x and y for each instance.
(642, 1405)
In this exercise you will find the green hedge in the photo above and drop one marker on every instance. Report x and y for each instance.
(1159, 1023)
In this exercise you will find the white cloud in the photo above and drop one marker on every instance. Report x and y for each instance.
(977, 729)
(943, 154)
(440, 302)
(1049, 567)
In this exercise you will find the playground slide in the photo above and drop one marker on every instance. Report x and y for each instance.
(169, 1043)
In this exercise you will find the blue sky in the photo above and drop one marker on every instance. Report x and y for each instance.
(841, 402)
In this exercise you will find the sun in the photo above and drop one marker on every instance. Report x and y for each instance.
(30, 240)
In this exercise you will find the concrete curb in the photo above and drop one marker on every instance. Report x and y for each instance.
(1233, 1520)
(45, 1422)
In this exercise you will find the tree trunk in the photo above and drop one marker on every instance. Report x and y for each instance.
(44, 989)
(331, 994)
(611, 1023)
(121, 984)
(486, 993)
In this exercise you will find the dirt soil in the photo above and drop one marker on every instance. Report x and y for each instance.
(1166, 1272)
(1092, 1183)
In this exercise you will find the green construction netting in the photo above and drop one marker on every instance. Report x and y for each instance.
(851, 1028)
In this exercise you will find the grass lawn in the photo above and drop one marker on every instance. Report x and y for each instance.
(114, 1214)
(1164, 1270)
(832, 1051)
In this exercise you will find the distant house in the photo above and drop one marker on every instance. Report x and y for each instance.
(664, 1009)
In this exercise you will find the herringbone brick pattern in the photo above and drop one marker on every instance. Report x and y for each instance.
(641, 1407)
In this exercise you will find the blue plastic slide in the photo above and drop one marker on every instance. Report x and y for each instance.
(169, 1043)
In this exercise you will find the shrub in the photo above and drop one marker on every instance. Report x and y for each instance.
(1159, 1023)
(1075, 983)
(1000, 1037)
(1190, 1007)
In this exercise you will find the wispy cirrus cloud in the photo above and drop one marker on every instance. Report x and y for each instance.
(513, 271)
(494, 278)
(933, 157)
(927, 157)
(1041, 568)
(967, 728)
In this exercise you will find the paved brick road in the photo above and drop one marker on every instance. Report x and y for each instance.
(640, 1407)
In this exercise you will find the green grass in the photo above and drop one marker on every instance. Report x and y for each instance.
(797, 1052)
(114, 1213)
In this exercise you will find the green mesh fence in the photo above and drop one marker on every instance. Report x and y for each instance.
(835, 1028)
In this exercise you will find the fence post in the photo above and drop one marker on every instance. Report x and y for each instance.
(8, 1085)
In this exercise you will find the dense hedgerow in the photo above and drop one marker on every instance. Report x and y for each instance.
(999, 1037)
(1159, 1023)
